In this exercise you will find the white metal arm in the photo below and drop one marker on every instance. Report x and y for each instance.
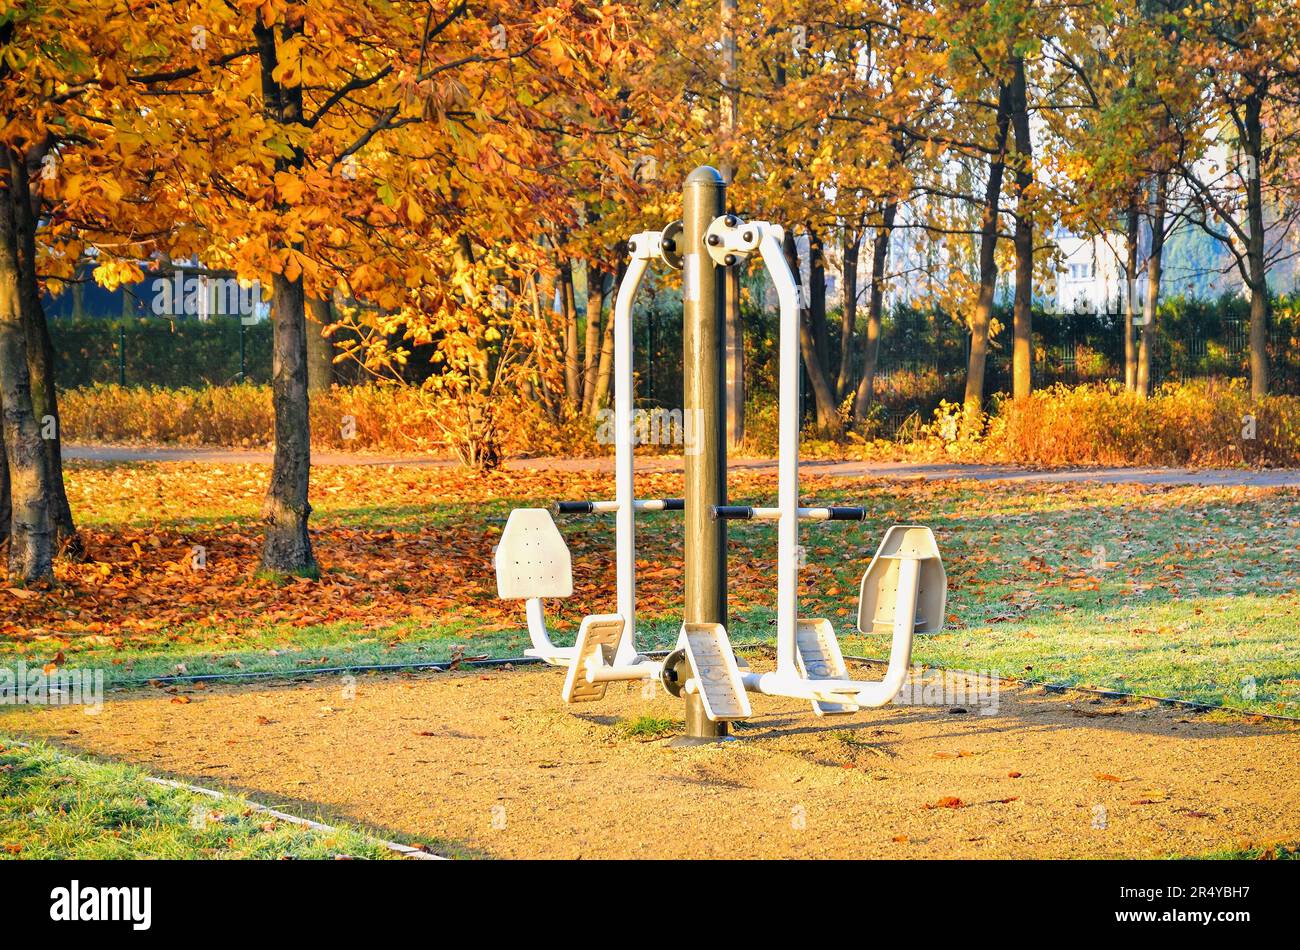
(542, 646)
(787, 529)
(644, 247)
(531, 546)
(787, 680)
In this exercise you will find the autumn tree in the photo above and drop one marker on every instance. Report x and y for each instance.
(512, 183)
(68, 69)
(96, 96)
(1249, 55)
(1138, 121)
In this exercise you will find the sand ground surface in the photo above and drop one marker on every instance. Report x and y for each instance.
(492, 763)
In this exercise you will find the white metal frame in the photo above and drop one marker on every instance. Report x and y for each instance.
(728, 240)
(736, 239)
(645, 247)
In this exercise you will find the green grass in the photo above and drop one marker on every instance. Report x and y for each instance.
(284, 650)
(54, 805)
(1261, 853)
(648, 727)
(1183, 594)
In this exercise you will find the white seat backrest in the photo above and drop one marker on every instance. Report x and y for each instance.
(532, 559)
(880, 583)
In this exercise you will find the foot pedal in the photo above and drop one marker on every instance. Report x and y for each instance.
(597, 638)
(717, 676)
(820, 659)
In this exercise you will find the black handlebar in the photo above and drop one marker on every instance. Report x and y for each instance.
(587, 507)
(746, 513)
(732, 512)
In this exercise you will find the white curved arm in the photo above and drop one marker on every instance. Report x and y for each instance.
(786, 679)
(878, 694)
(857, 692)
(787, 530)
(541, 637)
(644, 247)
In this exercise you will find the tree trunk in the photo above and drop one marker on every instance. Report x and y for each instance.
(40, 362)
(605, 368)
(828, 420)
(31, 547)
(572, 358)
(1134, 235)
(287, 548)
(320, 348)
(848, 311)
(817, 299)
(1022, 350)
(539, 384)
(875, 302)
(733, 340)
(988, 265)
(591, 347)
(1154, 260)
(6, 505)
(1255, 247)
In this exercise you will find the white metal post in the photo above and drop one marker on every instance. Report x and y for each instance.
(787, 531)
(643, 246)
(875, 695)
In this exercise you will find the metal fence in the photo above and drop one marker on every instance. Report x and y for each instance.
(923, 353)
(148, 352)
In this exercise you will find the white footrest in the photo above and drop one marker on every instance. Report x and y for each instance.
(819, 656)
(597, 643)
(716, 674)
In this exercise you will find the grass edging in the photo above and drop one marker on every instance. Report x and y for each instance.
(403, 849)
(241, 800)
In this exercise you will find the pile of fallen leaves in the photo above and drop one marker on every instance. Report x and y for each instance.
(178, 556)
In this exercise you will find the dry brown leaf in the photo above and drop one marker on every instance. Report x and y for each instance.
(946, 802)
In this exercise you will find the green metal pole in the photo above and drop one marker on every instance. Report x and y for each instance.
(121, 355)
(703, 332)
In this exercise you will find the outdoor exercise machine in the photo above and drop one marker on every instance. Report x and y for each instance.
(903, 591)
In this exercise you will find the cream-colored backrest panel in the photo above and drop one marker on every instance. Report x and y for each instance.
(880, 583)
(532, 559)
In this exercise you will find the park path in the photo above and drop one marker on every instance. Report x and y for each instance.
(928, 471)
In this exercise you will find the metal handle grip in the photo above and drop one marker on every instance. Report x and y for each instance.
(847, 513)
(574, 507)
(747, 513)
(732, 512)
